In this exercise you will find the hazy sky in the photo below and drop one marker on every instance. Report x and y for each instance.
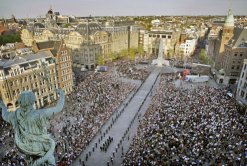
(33, 8)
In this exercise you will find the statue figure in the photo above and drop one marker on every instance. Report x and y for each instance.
(30, 127)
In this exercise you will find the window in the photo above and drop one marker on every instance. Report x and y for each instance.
(169, 37)
(238, 67)
(245, 85)
(241, 54)
(236, 54)
(242, 94)
(233, 67)
(234, 74)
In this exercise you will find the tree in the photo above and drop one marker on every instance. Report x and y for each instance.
(181, 55)
(132, 53)
(204, 59)
(123, 53)
(112, 56)
(140, 50)
(66, 25)
(100, 60)
(12, 38)
(170, 53)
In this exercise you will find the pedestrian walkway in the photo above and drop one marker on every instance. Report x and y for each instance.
(110, 144)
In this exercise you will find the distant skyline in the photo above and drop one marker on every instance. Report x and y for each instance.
(34, 8)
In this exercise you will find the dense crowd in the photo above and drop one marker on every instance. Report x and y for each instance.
(8, 152)
(86, 109)
(185, 126)
(93, 102)
(129, 70)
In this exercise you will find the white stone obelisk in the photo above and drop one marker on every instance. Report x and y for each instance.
(160, 55)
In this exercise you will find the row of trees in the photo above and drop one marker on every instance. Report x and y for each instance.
(12, 38)
(204, 59)
(130, 54)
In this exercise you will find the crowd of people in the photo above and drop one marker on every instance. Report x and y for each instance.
(129, 70)
(86, 110)
(94, 99)
(8, 153)
(190, 126)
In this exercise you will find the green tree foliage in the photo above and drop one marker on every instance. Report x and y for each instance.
(170, 53)
(132, 53)
(100, 60)
(148, 27)
(66, 25)
(140, 50)
(123, 53)
(203, 58)
(112, 56)
(181, 55)
(10, 38)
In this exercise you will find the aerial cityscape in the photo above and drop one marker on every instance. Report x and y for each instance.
(123, 83)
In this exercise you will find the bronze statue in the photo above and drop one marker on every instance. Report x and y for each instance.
(30, 127)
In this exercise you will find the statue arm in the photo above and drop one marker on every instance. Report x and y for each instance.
(5, 114)
(53, 110)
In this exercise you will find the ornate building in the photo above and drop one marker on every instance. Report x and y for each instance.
(28, 72)
(87, 40)
(212, 38)
(152, 40)
(123, 37)
(224, 36)
(235, 51)
(44, 31)
(230, 52)
(242, 85)
(85, 56)
(63, 62)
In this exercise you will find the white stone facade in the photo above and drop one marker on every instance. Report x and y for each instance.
(242, 85)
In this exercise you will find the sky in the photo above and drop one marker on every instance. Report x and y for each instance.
(34, 8)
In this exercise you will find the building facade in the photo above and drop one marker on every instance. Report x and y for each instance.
(188, 47)
(235, 53)
(241, 94)
(224, 36)
(27, 72)
(63, 58)
(85, 56)
(152, 40)
(123, 37)
(84, 36)
(212, 38)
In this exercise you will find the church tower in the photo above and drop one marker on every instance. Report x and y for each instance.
(227, 30)
(50, 21)
(226, 34)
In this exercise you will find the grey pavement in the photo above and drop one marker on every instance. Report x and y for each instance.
(122, 126)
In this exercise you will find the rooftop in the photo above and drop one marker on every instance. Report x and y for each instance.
(17, 60)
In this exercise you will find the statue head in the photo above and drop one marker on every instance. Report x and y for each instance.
(26, 99)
